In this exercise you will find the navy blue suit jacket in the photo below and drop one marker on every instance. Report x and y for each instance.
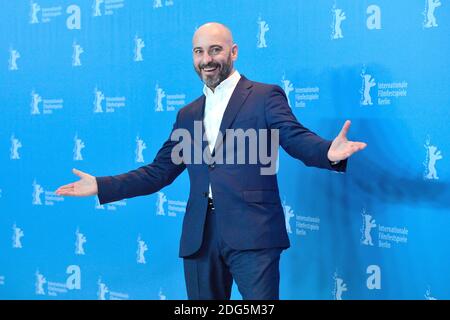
(247, 203)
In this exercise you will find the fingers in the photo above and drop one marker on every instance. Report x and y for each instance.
(66, 192)
(362, 145)
(344, 129)
(346, 150)
(78, 172)
(356, 146)
(67, 186)
(60, 192)
(64, 189)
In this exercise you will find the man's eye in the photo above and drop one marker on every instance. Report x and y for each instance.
(197, 51)
(215, 50)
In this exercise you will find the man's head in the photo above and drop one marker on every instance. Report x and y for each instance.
(213, 53)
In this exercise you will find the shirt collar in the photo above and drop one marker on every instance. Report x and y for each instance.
(227, 84)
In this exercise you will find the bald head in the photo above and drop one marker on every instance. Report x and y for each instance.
(213, 30)
(214, 53)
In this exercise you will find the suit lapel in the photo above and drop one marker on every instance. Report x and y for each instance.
(199, 112)
(237, 99)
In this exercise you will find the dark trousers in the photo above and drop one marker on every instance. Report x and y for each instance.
(209, 273)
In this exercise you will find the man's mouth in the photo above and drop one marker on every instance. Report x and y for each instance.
(210, 69)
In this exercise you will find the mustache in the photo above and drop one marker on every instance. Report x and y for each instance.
(209, 65)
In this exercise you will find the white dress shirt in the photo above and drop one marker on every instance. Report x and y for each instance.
(215, 105)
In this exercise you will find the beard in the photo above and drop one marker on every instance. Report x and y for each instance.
(214, 80)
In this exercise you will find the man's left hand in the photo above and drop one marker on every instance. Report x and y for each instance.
(341, 148)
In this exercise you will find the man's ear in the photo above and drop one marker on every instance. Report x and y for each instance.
(234, 51)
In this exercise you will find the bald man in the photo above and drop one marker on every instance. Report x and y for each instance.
(234, 226)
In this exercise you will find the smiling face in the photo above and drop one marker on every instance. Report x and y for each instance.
(214, 53)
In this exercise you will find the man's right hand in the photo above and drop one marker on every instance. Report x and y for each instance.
(86, 186)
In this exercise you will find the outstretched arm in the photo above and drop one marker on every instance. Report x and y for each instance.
(303, 144)
(142, 181)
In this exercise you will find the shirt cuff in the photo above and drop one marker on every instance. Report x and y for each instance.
(333, 163)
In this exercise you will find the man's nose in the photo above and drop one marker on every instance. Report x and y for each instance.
(206, 58)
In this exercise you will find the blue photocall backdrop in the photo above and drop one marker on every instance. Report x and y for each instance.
(96, 85)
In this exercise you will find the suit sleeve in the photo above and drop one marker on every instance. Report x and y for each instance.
(298, 141)
(144, 180)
